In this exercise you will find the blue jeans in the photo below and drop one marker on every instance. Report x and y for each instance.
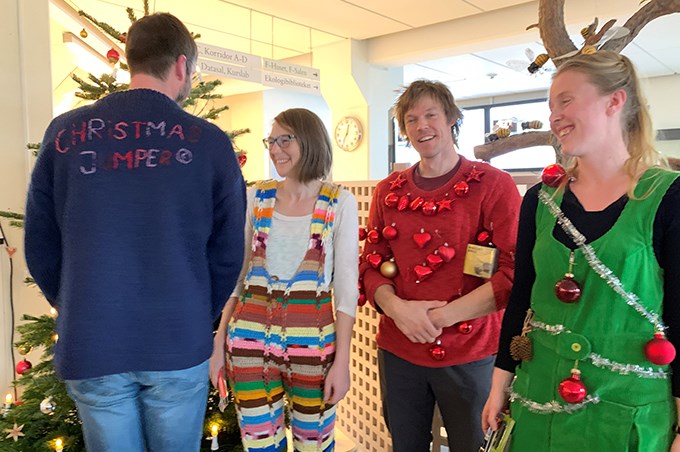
(138, 411)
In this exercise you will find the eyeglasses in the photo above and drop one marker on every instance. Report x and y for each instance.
(282, 140)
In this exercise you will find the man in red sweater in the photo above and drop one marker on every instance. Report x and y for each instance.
(438, 264)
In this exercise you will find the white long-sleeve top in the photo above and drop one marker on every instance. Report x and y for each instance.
(288, 241)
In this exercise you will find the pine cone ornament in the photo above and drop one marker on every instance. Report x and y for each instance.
(521, 348)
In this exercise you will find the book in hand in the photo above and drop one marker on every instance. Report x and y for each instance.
(499, 440)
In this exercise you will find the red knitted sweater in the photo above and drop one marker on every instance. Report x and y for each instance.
(491, 204)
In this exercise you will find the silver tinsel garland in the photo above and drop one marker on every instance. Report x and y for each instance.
(601, 269)
(553, 406)
(600, 361)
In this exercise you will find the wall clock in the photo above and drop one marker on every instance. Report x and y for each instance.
(348, 133)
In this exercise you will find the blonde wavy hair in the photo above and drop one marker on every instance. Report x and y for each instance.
(611, 71)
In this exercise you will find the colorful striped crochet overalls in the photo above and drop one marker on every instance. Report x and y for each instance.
(281, 338)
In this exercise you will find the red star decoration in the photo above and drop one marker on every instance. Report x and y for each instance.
(398, 182)
(474, 175)
(445, 204)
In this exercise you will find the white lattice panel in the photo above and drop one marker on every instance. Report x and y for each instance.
(360, 412)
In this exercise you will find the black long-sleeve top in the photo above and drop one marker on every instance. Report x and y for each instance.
(593, 225)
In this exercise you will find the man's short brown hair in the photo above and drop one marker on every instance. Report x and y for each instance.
(154, 43)
(437, 91)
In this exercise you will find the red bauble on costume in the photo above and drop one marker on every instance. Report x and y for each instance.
(422, 272)
(417, 203)
(568, 290)
(572, 389)
(362, 233)
(390, 232)
(373, 236)
(391, 199)
(23, 366)
(659, 350)
(403, 203)
(422, 238)
(437, 352)
(446, 252)
(464, 328)
(434, 261)
(374, 259)
(552, 175)
(461, 188)
(429, 208)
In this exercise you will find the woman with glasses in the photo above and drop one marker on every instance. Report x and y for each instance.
(288, 325)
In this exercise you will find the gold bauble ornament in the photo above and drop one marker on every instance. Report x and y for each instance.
(389, 269)
(83, 33)
(24, 349)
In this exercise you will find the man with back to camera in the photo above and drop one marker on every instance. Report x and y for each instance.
(441, 299)
(134, 233)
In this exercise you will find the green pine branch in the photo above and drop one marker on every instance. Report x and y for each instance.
(108, 29)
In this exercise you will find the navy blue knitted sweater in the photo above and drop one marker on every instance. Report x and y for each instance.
(134, 232)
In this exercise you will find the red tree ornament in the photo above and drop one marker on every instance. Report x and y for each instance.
(113, 56)
(484, 238)
(23, 366)
(572, 389)
(417, 203)
(553, 175)
(362, 233)
(464, 328)
(568, 289)
(437, 351)
(242, 159)
(422, 238)
(461, 188)
(429, 208)
(390, 232)
(659, 350)
(373, 236)
(446, 252)
(391, 199)
(403, 203)
(374, 259)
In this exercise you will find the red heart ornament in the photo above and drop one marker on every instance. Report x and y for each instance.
(374, 259)
(10, 250)
(464, 328)
(422, 271)
(434, 261)
(422, 238)
(446, 252)
(429, 208)
(390, 232)
(417, 203)
(391, 199)
(403, 203)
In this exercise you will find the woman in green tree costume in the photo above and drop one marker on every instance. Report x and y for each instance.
(593, 321)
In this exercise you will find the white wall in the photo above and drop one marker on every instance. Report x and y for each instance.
(26, 97)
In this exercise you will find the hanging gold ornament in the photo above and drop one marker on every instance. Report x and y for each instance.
(389, 269)
(83, 33)
(24, 349)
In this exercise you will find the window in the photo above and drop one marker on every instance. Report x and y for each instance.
(479, 121)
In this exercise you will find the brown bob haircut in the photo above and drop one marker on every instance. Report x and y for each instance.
(316, 151)
(154, 43)
(437, 91)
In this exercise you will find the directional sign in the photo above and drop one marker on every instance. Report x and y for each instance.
(293, 70)
(294, 83)
(210, 52)
(246, 73)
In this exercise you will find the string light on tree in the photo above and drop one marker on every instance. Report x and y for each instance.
(214, 429)
(8, 404)
(58, 445)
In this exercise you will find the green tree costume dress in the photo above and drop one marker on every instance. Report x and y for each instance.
(629, 406)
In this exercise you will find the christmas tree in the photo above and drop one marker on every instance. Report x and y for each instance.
(44, 418)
